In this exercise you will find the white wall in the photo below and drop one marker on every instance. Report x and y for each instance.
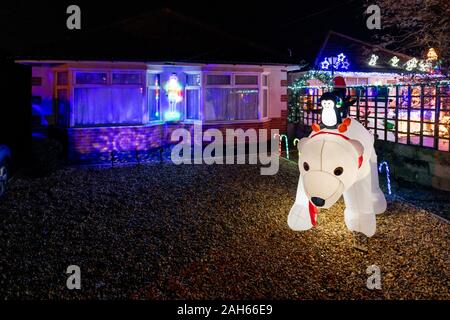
(276, 91)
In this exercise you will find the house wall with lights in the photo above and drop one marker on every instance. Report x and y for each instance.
(129, 106)
(362, 63)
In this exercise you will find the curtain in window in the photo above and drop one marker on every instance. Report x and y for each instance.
(246, 104)
(231, 104)
(99, 106)
(193, 104)
(153, 104)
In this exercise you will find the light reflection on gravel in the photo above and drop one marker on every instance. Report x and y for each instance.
(165, 231)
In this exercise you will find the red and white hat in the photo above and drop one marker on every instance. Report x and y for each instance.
(339, 82)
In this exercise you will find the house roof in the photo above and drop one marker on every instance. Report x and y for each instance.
(358, 54)
(161, 35)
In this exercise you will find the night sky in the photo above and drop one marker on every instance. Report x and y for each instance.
(296, 25)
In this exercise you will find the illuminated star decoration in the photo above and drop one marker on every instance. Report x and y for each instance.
(345, 64)
(341, 63)
(411, 64)
(373, 60)
(324, 64)
(341, 57)
(394, 61)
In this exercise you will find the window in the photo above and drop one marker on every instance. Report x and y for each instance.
(363, 81)
(100, 98)
(231, 104)
(108, 105)
(218, 79)
(265, 80)
(126, 78)
(91, 78)
(193, 80)
(193, 85)
(265, 95)
(63, 107)
(244, 80)
(225, 101)
(193, 104)
(154, 101)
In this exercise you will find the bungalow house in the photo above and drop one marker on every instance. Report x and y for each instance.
(128, 86)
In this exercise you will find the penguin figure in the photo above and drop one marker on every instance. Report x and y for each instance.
(340, 90)
(331, 115)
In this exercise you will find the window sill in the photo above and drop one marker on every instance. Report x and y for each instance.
(236, 121)
(161, 122)
(150, 124)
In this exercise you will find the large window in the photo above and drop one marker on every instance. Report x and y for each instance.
(193, 85)
(231, 97)
(265, 94)
(154, 101)
(104, 98)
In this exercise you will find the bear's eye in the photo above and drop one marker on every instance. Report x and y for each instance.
(338, 171)
(305, 166)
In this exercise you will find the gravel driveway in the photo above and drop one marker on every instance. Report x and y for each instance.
(204, 232)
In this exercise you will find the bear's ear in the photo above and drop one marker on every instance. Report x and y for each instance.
(358, 146)
(301, 143)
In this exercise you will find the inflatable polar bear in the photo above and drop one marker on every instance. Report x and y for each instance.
(334, 164)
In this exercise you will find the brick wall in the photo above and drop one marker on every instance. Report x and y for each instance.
(416, 164)
(91, 145)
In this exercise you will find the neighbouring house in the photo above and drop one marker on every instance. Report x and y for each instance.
(404, 101)
(106, 99)
(360, 62)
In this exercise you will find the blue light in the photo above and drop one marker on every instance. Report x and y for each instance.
(341, 63)
(172, 116)
(388, 177)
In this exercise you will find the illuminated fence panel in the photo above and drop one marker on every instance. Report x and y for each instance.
(408, 114)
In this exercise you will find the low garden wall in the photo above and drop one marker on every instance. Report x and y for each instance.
(416, 164)
(99, 144)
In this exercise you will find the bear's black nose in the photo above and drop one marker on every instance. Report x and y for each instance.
(318, 202)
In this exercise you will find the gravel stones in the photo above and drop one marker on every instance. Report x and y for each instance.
(205, 232)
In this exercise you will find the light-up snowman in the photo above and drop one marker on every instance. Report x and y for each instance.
(174, 91)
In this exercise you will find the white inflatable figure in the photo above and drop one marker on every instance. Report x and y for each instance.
(332, 164)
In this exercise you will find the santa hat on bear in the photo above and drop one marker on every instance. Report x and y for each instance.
(339, 82)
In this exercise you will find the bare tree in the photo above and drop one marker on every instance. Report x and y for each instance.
(414, 26)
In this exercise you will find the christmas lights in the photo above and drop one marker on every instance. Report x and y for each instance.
(277, 136)
(334, 164)
(324, 64)
(373, 60)
(286, 144)
(341, 62)
(394, 61)
(411, 64)
(432, 55)
(295, 142)
(174, 95)
(388, 177)
(341, 57)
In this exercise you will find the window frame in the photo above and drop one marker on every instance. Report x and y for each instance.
(56, 88)
(265, 87)
(152, 87)
(200, 96)
(109, 72)
(232, 86)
